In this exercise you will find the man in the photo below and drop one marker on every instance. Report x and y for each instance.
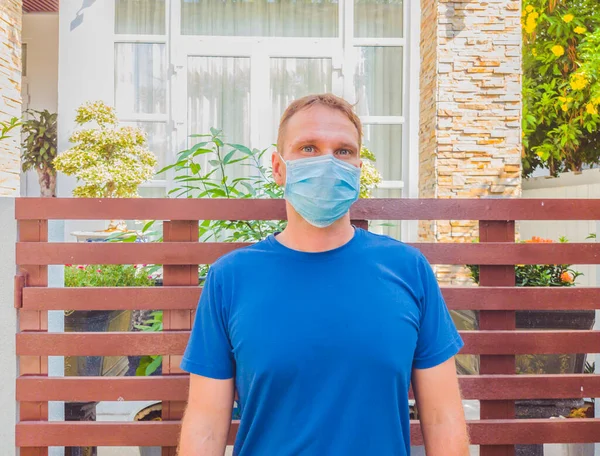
(322, 326)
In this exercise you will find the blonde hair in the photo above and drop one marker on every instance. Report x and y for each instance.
(326, 99)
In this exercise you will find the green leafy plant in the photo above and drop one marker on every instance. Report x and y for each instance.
(561, 85)
(110, 160)
(150, 363)
(107, 275)
(7, 127)
(39, 149)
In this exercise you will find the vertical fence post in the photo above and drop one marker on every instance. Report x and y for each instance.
(364, 224)
(177, 275)
(33, 320)
(497, 276)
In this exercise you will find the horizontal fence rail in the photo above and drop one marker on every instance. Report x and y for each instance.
(176, 387)
(169, 253)
(181, 298)
(497, 301)
(268, 209)
(488, 432)
(30, 343)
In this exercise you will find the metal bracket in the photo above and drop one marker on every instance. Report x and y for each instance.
(20, 283)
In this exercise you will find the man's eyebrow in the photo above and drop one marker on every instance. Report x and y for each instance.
(310, 140)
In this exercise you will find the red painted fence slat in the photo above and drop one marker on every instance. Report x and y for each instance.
(188, 253)
(485, 432)
(268, 209)
(175, 387)
(457, 298)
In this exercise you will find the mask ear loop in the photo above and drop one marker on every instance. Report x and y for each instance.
(286, 166)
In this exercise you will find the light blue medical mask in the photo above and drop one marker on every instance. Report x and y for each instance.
(321, 189)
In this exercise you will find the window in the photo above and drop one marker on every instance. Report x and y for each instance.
(293, 18)
(183, 66)
(141, 80)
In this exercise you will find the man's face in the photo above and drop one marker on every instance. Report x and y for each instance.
(317, 131)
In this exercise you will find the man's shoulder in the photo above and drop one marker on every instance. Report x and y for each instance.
(243, 256)
(388, 245)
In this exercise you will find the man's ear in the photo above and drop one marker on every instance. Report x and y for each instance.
(278, 168)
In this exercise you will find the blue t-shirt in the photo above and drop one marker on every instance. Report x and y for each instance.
(322, 345)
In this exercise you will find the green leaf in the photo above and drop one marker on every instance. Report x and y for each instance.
(144, 363)
(249, 187)
(214, 131)
(214, 162)
(241, 148)
(195, 167)
(218, 142)
(228, 157)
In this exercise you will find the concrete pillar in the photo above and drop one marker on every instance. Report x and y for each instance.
(10, 93)
(470, 135)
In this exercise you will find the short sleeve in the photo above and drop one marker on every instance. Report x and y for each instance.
(438, 338)
(209, 352)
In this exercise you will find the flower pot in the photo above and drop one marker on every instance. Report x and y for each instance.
(550, 364)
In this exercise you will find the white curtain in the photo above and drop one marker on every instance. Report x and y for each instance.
(140, 78)
(299, 18)
(140, 17)
(219, 96)
(293, 78)
(379, 18)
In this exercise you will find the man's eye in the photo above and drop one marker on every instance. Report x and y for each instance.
(344, 152)
(309, 149)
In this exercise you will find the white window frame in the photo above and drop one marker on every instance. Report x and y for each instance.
(341, 49)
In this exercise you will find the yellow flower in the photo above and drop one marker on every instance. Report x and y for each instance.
(568, 18)
(565, 107)
(580, 30)
(529, 8)
(558, 50)
(578, 81)
(562, 99)
(591, 109)
(534, 52)
(534, 15)
(530, 25)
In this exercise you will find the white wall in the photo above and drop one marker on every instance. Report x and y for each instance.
(85, 73)
(40, 86)
(568, 185)
(8, 327)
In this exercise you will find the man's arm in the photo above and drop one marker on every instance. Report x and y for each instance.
(207, 418)
(440, 410)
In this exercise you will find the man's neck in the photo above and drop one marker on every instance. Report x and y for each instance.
(301, 235)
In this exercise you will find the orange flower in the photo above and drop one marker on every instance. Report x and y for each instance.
(539, 240)
(566, 277)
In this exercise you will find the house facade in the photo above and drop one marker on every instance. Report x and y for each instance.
(436, 82)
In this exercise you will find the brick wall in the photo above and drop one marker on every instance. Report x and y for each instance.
(475, 72)
(10, 92)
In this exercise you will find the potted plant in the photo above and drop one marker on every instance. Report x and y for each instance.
(39, 149)
(98, 321)
(547, 275)
(108, 160)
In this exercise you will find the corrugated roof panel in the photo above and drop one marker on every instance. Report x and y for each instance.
(40, 6)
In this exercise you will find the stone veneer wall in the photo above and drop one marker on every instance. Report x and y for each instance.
(10, 92)
(470, 136)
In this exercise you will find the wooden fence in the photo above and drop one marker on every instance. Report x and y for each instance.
(497, 341)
